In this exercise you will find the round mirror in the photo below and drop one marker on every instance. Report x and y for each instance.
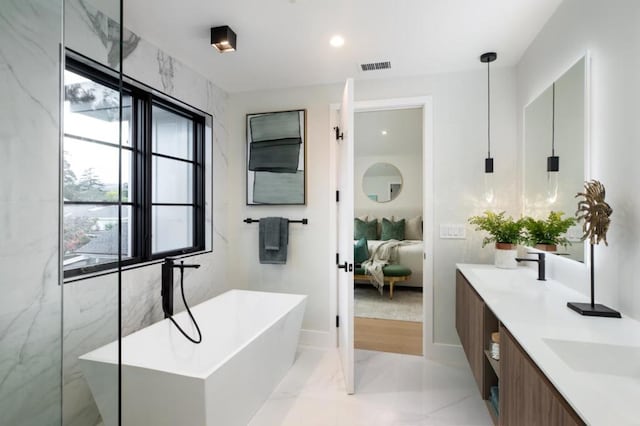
(382, 182)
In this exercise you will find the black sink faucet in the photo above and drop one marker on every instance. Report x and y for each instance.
(541, 264)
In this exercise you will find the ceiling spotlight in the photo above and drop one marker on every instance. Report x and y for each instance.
(223, 38)
(336, 41)
(384, 133)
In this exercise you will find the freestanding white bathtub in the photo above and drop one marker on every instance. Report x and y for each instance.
(249, 340)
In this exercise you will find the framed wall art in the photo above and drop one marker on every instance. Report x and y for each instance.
(276, 158)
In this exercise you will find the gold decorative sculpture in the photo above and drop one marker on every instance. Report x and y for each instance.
(594, 212)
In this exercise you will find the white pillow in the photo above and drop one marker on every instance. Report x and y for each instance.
(413, 228)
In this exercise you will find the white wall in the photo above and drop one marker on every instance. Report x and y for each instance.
(610, 31)
(459, 103)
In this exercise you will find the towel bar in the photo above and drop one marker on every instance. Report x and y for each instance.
(302, 221)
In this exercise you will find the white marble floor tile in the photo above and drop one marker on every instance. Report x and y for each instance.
(391, 390)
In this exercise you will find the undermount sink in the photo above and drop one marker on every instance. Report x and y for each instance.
(599, 358)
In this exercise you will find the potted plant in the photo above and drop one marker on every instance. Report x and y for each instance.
(506, 232)
(548, 234)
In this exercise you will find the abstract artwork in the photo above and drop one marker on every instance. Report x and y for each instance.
(276, 158)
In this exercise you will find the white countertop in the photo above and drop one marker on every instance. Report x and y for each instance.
(594, 362)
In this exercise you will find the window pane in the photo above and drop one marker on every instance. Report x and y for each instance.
(91, 171)
(172, 228)
(172, 134)
(91, 235)
(172, 181)
(91, 110)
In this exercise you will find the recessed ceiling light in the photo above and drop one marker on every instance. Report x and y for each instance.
(336, 41)
(384, 133)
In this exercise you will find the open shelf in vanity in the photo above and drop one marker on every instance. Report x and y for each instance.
(526, 396)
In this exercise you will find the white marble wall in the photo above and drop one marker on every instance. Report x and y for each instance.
(30, 301)
(90, 306)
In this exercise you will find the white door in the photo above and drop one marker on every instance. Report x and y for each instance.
(344, 168)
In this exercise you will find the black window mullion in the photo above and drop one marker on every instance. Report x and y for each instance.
(171, 157)
(198, 150)
(147, 132)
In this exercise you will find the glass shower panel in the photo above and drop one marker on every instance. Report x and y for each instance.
(30, 306)
(98, 204)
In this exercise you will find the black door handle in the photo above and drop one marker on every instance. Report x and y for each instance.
(346, 266)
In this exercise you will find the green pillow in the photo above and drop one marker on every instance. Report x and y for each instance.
(392, 230)
(362, 229)
(360, 251)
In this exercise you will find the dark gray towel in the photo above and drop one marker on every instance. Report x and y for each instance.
(267, 227)
(271, 233)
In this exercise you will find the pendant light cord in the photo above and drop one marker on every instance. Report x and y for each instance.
(553, 120)
(488, 110)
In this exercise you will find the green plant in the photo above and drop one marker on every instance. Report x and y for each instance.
(501, 229)
(548, 231)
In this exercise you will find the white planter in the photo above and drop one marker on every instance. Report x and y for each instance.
(505, 256)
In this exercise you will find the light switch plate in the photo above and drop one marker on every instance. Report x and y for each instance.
(453, 232)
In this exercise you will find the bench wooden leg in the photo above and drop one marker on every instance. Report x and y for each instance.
(391, 283)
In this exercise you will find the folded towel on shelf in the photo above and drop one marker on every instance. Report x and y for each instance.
(273, 240)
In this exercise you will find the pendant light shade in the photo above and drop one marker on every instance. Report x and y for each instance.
(487, 58)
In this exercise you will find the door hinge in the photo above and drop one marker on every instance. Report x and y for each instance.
(337, 321)
(337, 196)
(338, 134)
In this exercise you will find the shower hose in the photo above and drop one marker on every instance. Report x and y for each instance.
(184, 300)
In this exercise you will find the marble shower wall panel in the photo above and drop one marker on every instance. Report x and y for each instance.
(30, 306)
(88, 302)
(90, 319)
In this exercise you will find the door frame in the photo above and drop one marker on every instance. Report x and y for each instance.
(431, 349)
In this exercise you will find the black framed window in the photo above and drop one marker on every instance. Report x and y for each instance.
(160, 190)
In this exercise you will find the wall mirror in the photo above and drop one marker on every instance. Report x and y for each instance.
(555, 145)
(276, 145)
(382, 182)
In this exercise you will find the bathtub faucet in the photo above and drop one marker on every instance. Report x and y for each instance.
(167, 282)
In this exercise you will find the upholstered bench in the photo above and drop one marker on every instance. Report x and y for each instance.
(392, 274)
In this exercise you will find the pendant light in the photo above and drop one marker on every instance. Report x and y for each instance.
(488, 162)
(553, 162)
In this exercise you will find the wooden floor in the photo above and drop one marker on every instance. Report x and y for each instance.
(403, 337)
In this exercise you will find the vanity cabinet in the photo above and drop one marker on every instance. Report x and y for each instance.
(469, 307)
(475, 322)
(527, 397)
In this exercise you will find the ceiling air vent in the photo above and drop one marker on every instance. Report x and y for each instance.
(375, 66)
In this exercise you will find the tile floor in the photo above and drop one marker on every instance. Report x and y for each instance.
(391, 390)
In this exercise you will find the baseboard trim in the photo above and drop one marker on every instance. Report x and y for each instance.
(315, 339)
(445, 353)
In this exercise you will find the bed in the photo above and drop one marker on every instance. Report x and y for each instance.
(409, 256)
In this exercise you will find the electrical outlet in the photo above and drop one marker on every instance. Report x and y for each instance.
(453, 232)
